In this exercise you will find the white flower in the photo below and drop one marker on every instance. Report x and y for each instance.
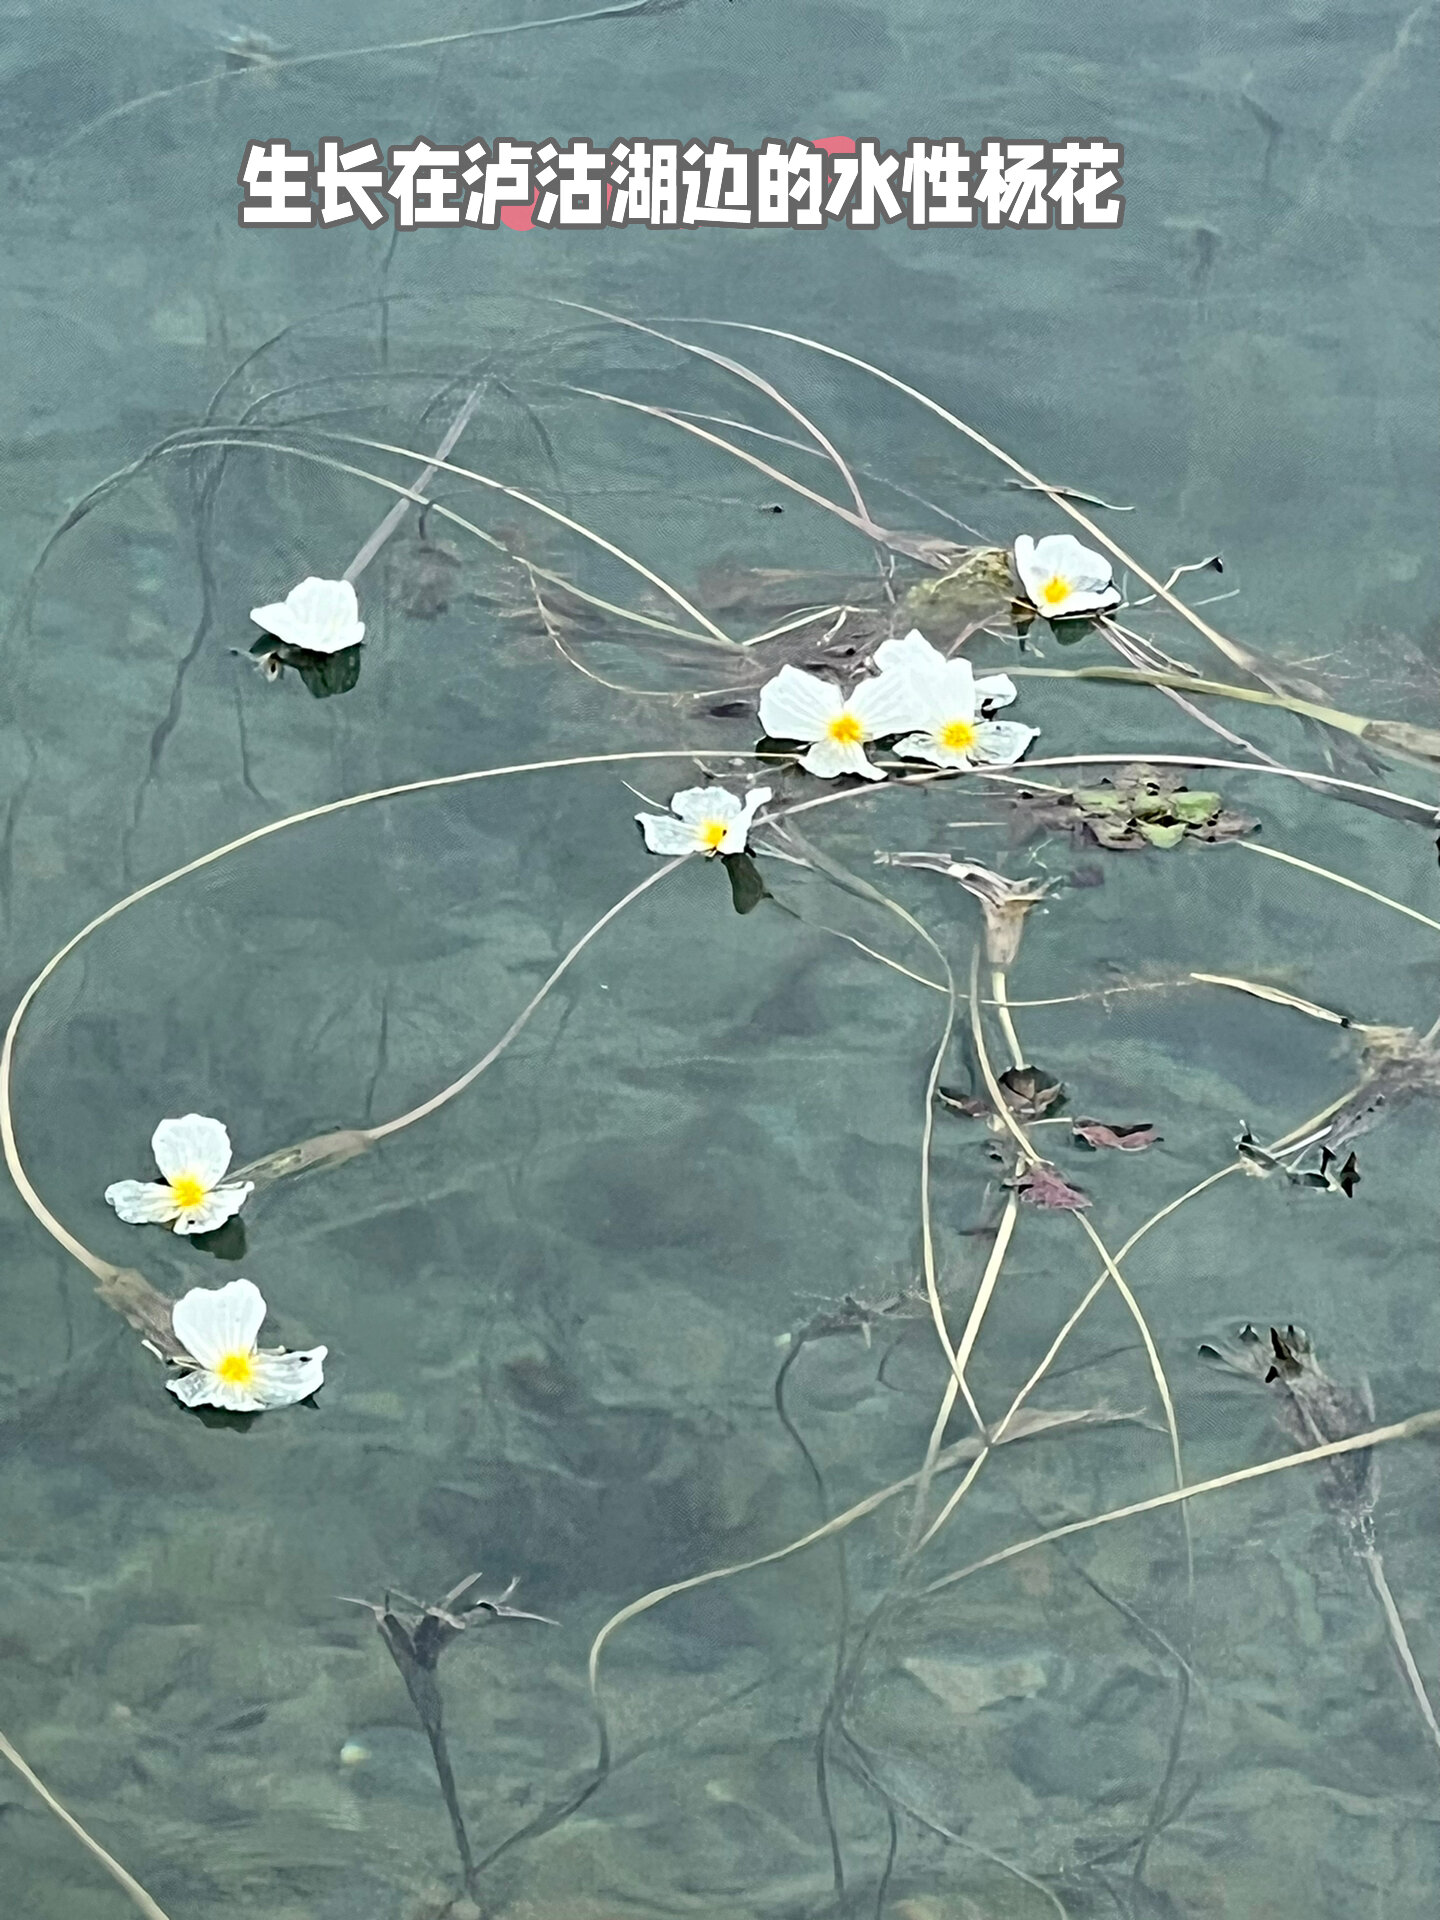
(707, 820)
(319, 616)
(949, 703)
(192, 1153)
(1062, 577)
(796, 705)
(218, 1328)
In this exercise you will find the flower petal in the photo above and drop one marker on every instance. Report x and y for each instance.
(1062, 553)
(925, 746)
(889, 703)
(995, 690)
(1000, 743)
(1037, 561)
(697, 804)
(737, 834)
(1032, 575)
(199, 1388)
(210, 1322)
(796, 705)
(944, 688)
(194, 1145)
(666, 835)
(1099, 600)
(913, 654)
(283, 1378)
(215, 1209)
(142, 1203)
(322, 616)
(829, 758)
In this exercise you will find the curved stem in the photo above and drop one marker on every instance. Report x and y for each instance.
(104, 1270)
(438, 1100)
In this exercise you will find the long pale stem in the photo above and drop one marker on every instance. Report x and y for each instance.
(138, 1897)
(103, 1270)
(522, 1018)
(422, 480)
(1418, 1423)
(1399, 1639)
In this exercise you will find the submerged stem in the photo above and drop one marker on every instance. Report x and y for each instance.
(1400, 1640)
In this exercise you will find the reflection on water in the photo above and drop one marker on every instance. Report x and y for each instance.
(667, 1286)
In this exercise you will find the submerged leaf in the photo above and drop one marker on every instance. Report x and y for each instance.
(1100, 1133)
(1029, 1092)
(747, 887)
(1226, 826)
(227, 1242)
(324, 674)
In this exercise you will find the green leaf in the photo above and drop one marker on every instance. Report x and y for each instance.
(1162, 836)
(747, 888)
(326, 673)
(1195, 809)
(323, 673)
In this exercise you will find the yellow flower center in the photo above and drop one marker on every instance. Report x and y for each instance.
(845, 730)
(957, 735)
(1056, 589)
(236, 1368)
(712, 832)
(186, 1191)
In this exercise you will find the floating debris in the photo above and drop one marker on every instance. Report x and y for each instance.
(1141, 807)
(1004, 903)
(1330, 1176)
(1030, 1092)
(1044, 1186)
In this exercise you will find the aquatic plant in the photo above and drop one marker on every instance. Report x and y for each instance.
(821, 669)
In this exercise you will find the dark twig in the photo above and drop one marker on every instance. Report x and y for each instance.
(415, 1638)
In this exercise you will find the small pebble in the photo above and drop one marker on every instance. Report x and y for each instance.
(354, 1754)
